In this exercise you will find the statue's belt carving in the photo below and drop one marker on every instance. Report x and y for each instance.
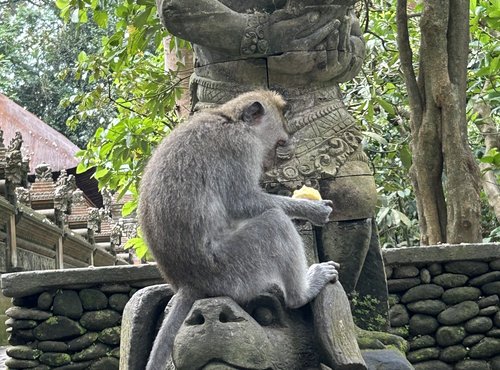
(326, 134)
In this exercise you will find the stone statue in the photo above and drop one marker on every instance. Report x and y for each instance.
(43, 172)
(16, 168)
(63, 196)
(303, 49)
(220, 334)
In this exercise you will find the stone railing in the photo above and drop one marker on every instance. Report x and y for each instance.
(70, 317)
(445, 301)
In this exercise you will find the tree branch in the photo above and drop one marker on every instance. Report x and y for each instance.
(406, 58)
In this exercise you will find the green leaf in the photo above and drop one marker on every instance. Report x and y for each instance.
(405, 156)
(82, 57)
(385, 105)
(101, 18)
(61, 4)
(129, 207)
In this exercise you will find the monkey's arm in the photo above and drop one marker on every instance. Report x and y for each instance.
(316, 211)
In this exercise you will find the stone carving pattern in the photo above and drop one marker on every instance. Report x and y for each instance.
(43, 172)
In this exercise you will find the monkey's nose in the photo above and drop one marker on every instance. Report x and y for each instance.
(214, 314)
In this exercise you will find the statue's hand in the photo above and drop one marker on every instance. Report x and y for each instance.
(288, 32)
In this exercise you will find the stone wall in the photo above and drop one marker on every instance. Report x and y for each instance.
(70, 319)
(445, 301)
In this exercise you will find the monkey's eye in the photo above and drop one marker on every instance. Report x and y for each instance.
(265, 316)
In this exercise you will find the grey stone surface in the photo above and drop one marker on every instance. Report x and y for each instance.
(491, 300)
(495, 333)
(423, 341)
(485, 278)
(20, 284)
(450, 335)
(491, 288)
(461, 294)
(22, 324)
(435, 268)
(470, 340)
(44, 301)
(423, 324)
(486, 348)
(55, 359)
(407, 271)
(13, 363)
(21, 313)
(385, 360)
(422, 292)
(441, 253)
(139, 322)
(433, 365)
(52, 346)
(428, 306)
(401, 285)
(98, 320)
(67, 303)
(82, 342)
(118, 301)
(105, 363)
(83, 365)
(115, 288)
(472, 365)
(58, 327)
(496, 319)
(448, 280)
(110, 336)
(458, 313)
(96, 350)
(495, 363)
(93, 299)
(478, 325)
(398, 315)
(469, 268)
(23, 352)
(424, 354)
(495, 265)
(453, 354)
(425, 276)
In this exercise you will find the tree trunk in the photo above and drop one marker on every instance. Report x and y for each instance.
(444, 172)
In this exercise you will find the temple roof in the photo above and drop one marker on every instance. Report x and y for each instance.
(42, 143)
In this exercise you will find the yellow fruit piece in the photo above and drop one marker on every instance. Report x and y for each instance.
(305, 192)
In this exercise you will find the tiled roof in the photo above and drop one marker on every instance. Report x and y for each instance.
(41, 142)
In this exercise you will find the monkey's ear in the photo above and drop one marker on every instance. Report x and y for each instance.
(253, 113)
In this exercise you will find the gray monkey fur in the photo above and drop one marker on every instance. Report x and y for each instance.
(211, 228)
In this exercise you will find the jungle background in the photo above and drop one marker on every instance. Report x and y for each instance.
(95, 70)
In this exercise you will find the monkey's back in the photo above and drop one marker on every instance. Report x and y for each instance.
(185, 191)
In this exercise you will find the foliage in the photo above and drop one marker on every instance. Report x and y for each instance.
(36, 51)
(378, 101)
(129, 73)
(364, 312)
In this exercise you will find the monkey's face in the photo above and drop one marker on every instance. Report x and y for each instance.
(272, 134)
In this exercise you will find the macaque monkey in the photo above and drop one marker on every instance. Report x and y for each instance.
(211, 228)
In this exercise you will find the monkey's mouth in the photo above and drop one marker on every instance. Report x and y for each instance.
(222, 365)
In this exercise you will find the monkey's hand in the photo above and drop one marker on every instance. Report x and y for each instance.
(320, 213)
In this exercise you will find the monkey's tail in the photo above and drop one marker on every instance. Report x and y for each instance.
(176, 313)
